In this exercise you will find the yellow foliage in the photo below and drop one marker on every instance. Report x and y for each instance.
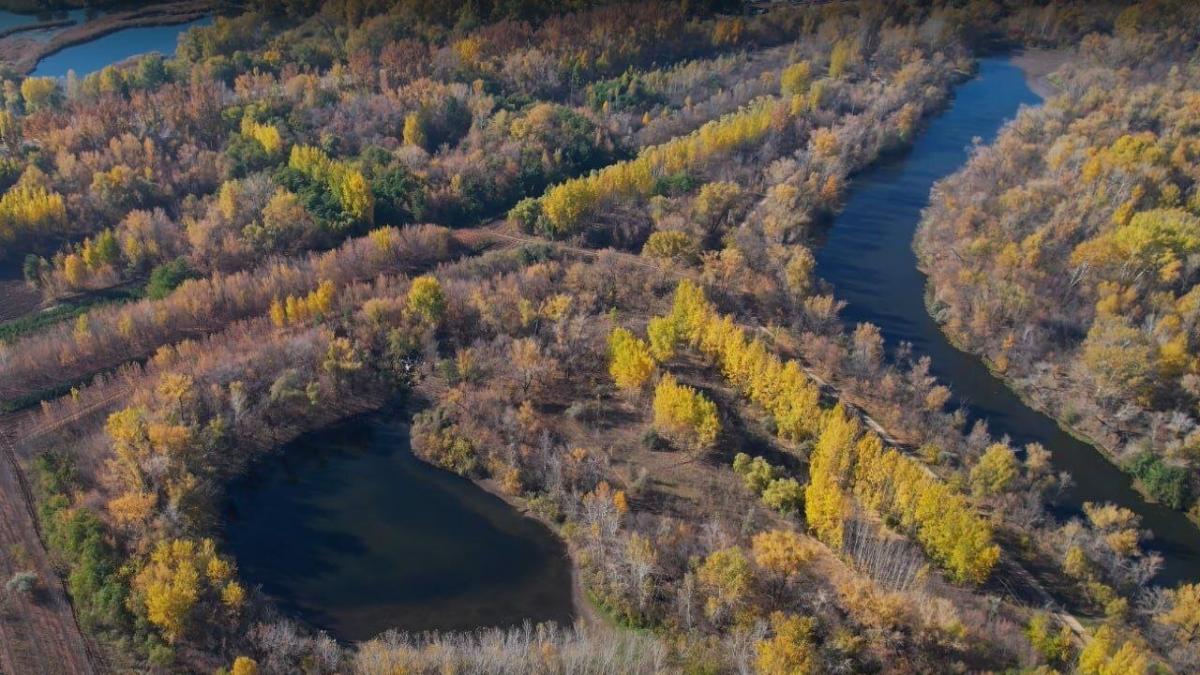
(795, 79)
(266, 135)
(790, 651)
(781, 551)
(244, 665)
(28, 209)
(566, 204)
(297, 310)
(725, 576)
(843, 461)
(629, 360)
(132, 508)
(39, 92)
(425, 298)
(682, 411)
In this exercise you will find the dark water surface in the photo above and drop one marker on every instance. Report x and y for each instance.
(870, 261)
(349, 530)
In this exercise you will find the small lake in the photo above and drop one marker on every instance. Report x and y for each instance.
(89, 57)
(869, 259)
(348, 530)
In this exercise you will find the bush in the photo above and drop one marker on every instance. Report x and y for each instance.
(167, 277)
(1167, 484)
(22, 583)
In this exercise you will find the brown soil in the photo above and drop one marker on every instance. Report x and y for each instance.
(17, 299)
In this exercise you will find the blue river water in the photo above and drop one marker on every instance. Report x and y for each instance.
(92, 56)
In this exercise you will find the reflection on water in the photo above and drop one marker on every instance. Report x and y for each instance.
(356, 535)
(869, 260)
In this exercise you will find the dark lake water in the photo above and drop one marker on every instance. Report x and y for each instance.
(90, 57)
(870, 261)
(350, 531)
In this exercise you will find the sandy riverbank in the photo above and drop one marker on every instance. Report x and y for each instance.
(1038, 64)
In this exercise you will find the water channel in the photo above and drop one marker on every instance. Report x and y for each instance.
(869, 259)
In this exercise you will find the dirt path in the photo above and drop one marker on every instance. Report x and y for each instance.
(38, 634)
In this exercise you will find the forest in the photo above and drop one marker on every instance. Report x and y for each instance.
(574, 245)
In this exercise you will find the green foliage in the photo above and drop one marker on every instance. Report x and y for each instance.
(399, 197)
(1053, 646)
(627, 91)
(756, 472)
(167, 277)
(1165, 483)
(79, 537)
(785, 495)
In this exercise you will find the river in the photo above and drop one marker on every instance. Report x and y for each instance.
(348, 530)
(869, 259)
(89, 57)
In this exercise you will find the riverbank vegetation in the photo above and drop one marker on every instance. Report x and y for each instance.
(336, 204)
(1065, 252)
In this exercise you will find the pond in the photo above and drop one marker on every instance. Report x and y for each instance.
(346, 529)
(89, 57)
(869, 259)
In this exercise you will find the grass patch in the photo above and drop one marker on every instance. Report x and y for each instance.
(70, 310)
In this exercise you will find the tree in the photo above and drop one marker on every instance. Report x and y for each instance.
(426, 299)
(170, 585)
(684, 412)
(757, 473)
(414, 130)
(782, 552)
(784, 495)
(167, 277)
(795, 79)
(790, 651)
(844, 53)
(630, 362)
(995, 472)
(1184, 615)
(39, 92)
(664, 335)
(1102, 656)
(670, 245)
(21, 583)
(1053, 646)
(726, 576)
(244, 665)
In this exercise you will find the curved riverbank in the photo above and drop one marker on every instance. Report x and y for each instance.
(869, 259)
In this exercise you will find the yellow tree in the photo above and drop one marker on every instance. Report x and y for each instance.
(426, 299)
(629, 360)
(725, 576)
(995, 472)
(790, 651)
(782, 552)
(682, 411)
